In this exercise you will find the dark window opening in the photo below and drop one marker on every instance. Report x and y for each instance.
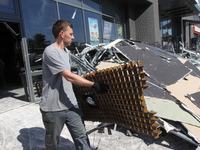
(10, 54)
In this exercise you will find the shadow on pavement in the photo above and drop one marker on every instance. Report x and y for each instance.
(166, 139)
(33, 139)
(14, 91)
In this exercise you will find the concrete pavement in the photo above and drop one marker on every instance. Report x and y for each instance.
(21, 128)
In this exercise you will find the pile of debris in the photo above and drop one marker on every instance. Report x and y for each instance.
(173, 82)
(124, 102)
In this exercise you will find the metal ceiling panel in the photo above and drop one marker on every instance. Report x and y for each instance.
(173, 8)
(135, 2)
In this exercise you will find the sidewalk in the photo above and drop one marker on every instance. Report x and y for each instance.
(21, 128)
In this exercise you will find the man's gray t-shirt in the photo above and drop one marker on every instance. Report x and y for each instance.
(57, 92)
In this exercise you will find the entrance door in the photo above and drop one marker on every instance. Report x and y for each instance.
(11, 61)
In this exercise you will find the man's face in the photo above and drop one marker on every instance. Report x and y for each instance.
(68, 36)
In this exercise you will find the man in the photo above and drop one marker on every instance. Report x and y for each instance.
(59, 105)
(181, 46)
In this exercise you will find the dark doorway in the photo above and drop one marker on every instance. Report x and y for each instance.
(10, 55)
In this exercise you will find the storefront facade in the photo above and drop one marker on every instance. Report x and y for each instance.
(191, 26)
(172, 21)
(26, 29)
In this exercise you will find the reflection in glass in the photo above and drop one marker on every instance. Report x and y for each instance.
(75, 17)
(108, 8)
(166, 32)
(7, 6)
(92, 4)
(73, 2)
(38, 16)
(93, 28)
(118, 9)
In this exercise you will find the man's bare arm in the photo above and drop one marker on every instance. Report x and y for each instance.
(76, 79)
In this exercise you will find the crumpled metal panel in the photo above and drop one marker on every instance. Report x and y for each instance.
(124, 104)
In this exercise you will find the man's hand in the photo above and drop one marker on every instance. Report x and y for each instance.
(100, 88)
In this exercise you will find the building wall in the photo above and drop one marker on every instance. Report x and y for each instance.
(156, 22)
(130, 22)
(147, 23)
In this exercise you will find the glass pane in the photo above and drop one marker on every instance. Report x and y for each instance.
(165, 32)
(7, 6)
(93, 28)
(92, 4)
(75, 17)
(108, 8)
(108, 29)
(74, 2)
(38, 16)
(166, 29)
(119, 11)
(170, 31)
(120, 29)
(164, 23)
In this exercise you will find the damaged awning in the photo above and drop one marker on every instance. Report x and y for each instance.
(169, 77)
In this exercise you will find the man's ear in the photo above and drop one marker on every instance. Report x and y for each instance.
(61, 33)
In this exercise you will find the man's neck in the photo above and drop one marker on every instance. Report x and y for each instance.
(59, 44)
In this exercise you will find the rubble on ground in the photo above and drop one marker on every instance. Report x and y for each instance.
(173, 82)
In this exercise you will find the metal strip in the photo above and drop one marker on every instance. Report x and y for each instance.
(58, 11)
(27, 70)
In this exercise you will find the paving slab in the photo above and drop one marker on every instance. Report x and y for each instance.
(21, 128)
